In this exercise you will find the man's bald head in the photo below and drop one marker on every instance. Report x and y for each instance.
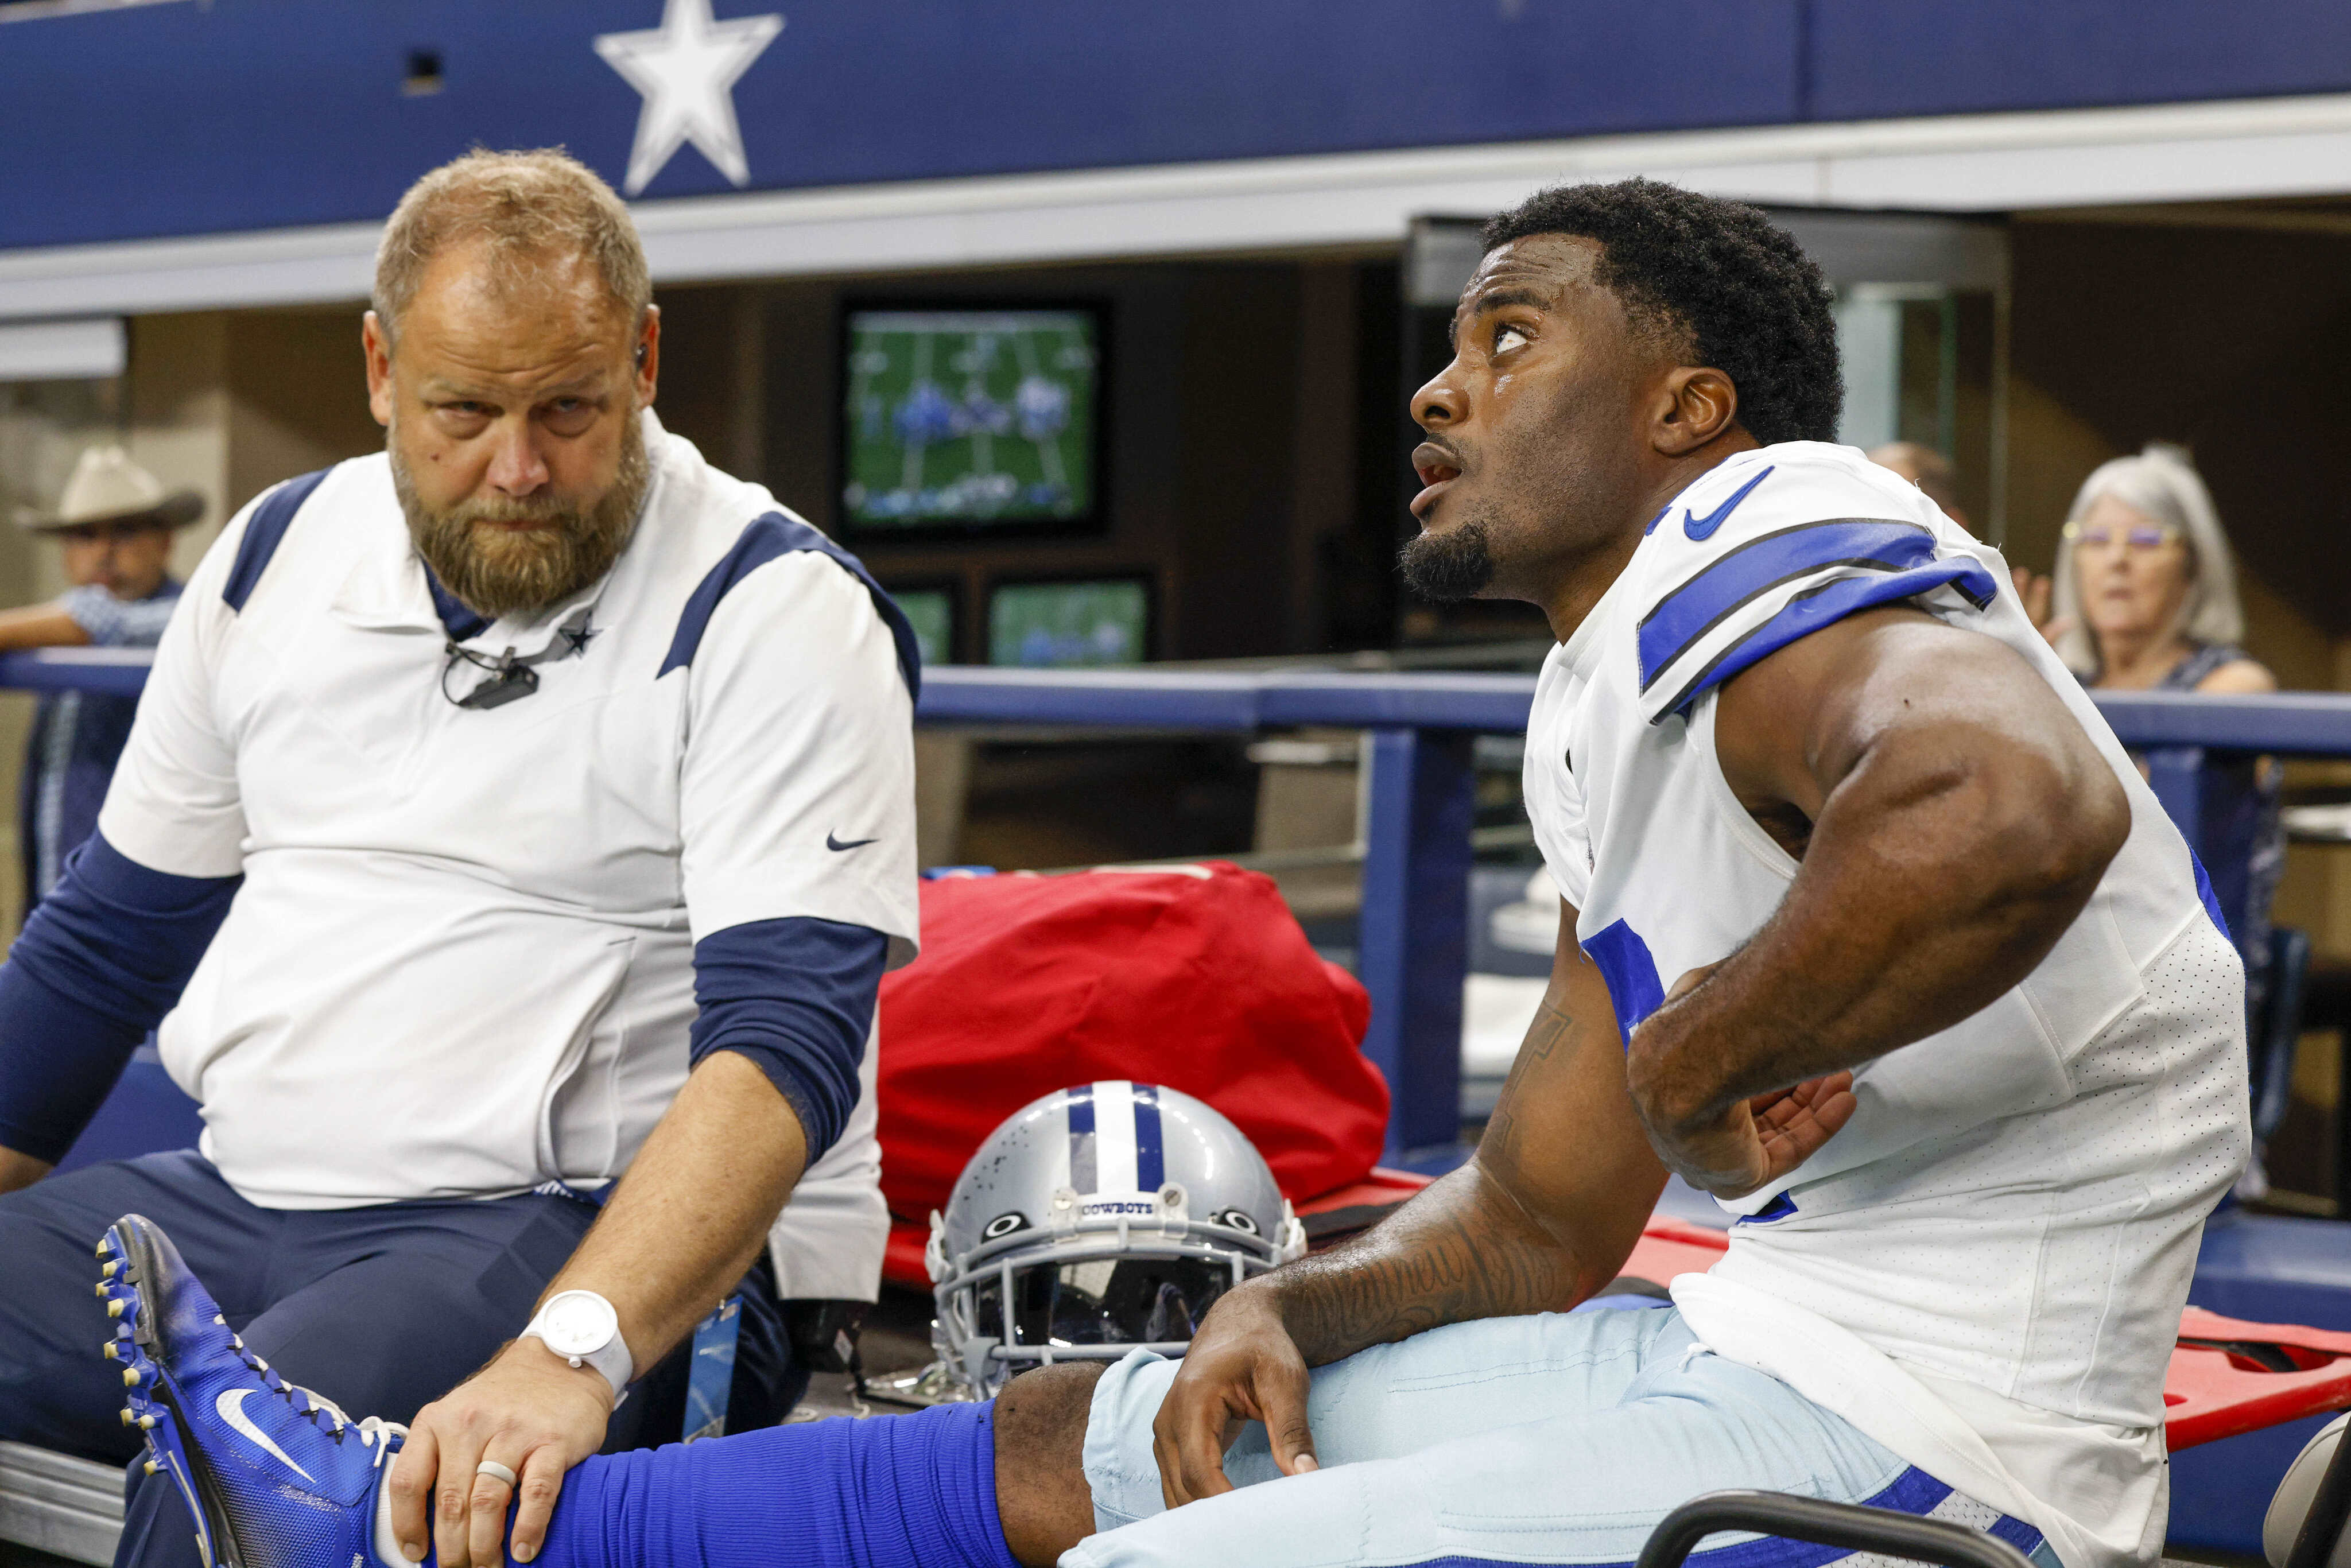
(528, 217)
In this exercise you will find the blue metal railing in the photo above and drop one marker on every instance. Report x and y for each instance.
(1413, 948)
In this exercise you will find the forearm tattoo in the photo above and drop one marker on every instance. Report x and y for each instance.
(1463, 1249)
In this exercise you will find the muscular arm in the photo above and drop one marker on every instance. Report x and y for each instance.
(1542, 1215)
(1540, 1218)
(1951, 818)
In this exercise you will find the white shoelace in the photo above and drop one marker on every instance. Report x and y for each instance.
(375, 1432)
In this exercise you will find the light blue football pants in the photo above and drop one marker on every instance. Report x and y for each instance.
(1557, 1439)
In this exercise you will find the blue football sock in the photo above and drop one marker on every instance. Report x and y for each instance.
(894, 1491)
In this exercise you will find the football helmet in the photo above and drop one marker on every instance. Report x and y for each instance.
(1099, 1219)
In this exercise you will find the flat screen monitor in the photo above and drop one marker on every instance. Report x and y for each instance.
(963, 421)
(1070, 624)
(931, 612)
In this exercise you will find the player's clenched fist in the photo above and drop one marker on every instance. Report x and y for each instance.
(1738, 1146)
(1241, 1366)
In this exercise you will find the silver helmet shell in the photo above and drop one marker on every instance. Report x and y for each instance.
(1107, 1218)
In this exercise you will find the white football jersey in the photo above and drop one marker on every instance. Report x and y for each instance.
(1984, 1269)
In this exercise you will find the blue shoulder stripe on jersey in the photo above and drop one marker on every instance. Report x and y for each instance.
(1623, 962)
(1808, 611)
(1150, 1153)
(1079, 1104)
(769, 536)
(264, 531)
(1739, 576)
(1779, 1207)
(1914, 1492)
(2206, 896)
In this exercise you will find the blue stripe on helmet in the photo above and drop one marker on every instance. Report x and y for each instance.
(1150, 1159)
(1080, 1103)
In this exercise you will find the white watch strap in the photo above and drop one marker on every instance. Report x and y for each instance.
(612, 1358)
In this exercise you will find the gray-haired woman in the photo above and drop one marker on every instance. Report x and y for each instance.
(2145, 586)
(2146, 599)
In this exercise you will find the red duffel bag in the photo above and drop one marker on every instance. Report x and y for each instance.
(1196, 977)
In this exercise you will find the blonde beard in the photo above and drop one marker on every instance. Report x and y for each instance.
(499, 571)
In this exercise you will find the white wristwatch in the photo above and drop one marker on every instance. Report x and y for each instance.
(581, 1327)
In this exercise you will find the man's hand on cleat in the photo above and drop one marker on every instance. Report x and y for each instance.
(530, 1411)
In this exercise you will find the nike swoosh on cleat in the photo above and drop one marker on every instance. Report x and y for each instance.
(231, 1405)
(832, 844)
(1703, 528)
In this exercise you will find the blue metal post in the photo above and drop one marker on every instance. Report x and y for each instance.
(2176, 774)
(1413, 949)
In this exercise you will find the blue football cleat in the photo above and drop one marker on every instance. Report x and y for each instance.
(276, 1476)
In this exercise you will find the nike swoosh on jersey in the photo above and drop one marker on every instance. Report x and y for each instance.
(832, 844)
(231, 1405)
(1703, 528)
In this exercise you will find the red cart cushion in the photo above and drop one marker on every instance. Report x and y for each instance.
(1197, 979)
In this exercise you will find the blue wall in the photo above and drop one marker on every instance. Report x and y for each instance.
(229, 115)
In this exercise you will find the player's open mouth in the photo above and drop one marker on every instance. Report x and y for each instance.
(1436, 470)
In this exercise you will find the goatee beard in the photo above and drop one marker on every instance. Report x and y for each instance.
(1450, 566)
(498, 571)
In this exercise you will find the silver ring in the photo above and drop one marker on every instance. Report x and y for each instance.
(492, 1468)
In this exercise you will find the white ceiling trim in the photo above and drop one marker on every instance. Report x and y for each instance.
(2205, 152)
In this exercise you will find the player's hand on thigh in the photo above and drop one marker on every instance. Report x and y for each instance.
(528, 1412)
(1241, 1366)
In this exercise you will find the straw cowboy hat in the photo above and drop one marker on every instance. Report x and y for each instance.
(108, 488)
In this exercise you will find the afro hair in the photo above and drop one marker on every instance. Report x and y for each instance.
(1715, 280)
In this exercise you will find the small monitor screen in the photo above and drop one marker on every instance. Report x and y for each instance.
(1062, 625)
(970, 420)
(931, 612)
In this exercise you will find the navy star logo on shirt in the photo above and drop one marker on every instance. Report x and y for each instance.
(577, 637)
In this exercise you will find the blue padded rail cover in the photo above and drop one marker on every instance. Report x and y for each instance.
(771, 535)
(264, 531)
(796, 996)
(104, 957)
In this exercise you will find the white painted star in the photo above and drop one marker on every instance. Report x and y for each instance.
(686, 69)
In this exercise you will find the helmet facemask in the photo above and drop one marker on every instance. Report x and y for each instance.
(1045, 1254)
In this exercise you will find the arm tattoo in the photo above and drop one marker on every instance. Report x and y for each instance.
(1463, 1249)
(1543, 1036)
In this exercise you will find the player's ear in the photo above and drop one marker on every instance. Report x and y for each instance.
(1697, 403)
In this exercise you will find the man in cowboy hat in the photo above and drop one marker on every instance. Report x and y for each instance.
(115, 522)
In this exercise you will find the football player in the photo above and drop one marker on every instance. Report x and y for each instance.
(1871, 930)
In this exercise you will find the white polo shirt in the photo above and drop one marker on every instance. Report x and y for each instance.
(461, 963)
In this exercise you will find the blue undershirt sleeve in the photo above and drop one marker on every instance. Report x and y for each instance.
(796, 996)
(104, 957)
